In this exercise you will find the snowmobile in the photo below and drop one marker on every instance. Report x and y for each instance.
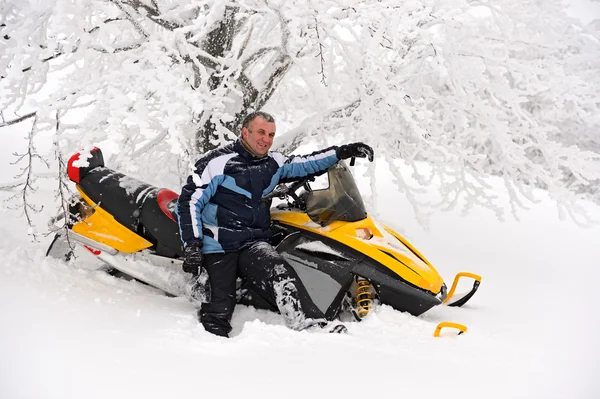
(347, 260)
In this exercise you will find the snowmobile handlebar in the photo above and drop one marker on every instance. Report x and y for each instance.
(283, 190)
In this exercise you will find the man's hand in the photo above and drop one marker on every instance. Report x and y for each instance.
(192, 257)
(359, 150)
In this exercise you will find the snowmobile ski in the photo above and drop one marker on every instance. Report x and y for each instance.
(458, 300)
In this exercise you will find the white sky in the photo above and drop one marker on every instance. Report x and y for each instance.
(585, 10)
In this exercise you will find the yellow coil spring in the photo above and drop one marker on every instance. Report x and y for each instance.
(363, 297)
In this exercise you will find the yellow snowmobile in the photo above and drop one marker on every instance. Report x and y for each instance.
(347, 260)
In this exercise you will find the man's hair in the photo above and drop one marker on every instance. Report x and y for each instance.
(253, 115)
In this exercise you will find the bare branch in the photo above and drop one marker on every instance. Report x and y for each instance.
(27, 185)
(63, 189)
(18, 120)
(12, 186)
(320, 55)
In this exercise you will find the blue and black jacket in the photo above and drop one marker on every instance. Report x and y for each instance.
(220, 203)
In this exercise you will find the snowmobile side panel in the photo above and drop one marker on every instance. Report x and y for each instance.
(321, 287)
(102, 227)
(325, 272)
(61, 246)
(397, 293)
(391, 289)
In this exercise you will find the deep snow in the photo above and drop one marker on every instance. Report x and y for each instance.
(71, 333)
(67, 332)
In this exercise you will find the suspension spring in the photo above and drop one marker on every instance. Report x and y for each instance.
(363, 296)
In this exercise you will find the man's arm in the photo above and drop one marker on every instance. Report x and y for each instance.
(298, 166)
(189, 208)
(319, 161)
(196, 193)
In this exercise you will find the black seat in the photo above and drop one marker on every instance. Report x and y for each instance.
(118, 194)
(141, 207)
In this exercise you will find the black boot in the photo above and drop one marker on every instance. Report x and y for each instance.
(215, 323)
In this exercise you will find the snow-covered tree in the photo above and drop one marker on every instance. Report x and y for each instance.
(457, 90)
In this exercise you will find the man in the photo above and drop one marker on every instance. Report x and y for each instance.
(226, 231)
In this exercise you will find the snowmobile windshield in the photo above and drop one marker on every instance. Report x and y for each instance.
(340, 201)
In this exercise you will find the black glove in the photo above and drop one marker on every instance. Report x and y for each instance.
(359, 150)
(192, 257)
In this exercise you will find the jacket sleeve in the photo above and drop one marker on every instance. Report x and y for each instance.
(299, 166)
(195, 194)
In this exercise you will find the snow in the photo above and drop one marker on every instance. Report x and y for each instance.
(131, 185)
(532, 327)
(318, 246)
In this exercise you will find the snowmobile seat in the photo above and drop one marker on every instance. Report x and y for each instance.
(144, 209)
(159, 222)
(118, 194)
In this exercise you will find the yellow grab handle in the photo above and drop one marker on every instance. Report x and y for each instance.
(443, 324)
(474, 276)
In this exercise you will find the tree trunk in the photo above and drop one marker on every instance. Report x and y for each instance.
(217, 44)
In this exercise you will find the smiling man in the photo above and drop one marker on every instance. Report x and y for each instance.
(258, 134)
(225, 227)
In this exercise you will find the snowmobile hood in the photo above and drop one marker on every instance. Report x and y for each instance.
(374, 240)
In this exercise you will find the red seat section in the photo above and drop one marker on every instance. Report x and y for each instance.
(165, 198)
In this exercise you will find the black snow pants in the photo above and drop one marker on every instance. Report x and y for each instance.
(260, 266)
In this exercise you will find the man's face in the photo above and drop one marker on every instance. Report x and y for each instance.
(259, 135)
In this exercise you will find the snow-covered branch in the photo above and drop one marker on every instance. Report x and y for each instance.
(27, 185)
(450, 92)
(16, 120)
